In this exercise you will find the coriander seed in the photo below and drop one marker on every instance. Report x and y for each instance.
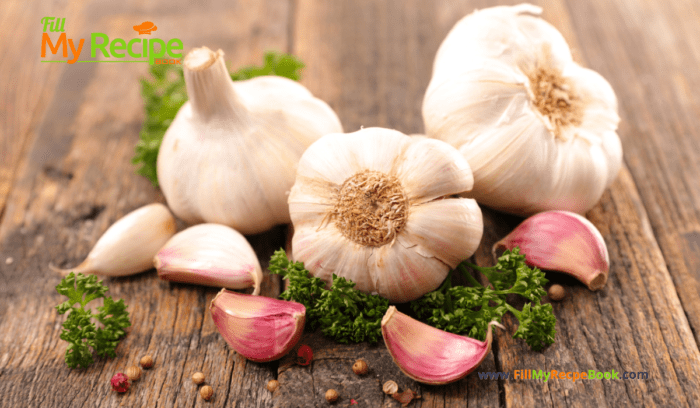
(331, 395)
(390, 387)
(556, 292)
(146, 362)
(198, 378)
(360, 367)
(272, 385)
(134, 373)
(206, 392)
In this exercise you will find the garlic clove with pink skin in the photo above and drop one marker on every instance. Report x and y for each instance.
(128, 246)
(211, 255)
(259, 328)
(562, 241)
(429, 355)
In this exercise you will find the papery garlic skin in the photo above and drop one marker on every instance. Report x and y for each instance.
(429, 355)
(562, 241)
(259, 328)
(538, 130)
(211, 255)
(230, 154)
(377, 207)
(128, 246)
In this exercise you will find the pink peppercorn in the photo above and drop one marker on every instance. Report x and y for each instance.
(304, 355)
(120, 382)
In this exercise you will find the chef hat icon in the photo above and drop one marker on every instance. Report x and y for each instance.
(145, 28)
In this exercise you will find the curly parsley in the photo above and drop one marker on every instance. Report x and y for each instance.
(341, 312)
(469, 309)
(79, 330)
(164, 94)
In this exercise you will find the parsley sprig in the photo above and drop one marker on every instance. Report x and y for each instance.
(79, 330)
(341, 312)
(164, 93)
(469, 309)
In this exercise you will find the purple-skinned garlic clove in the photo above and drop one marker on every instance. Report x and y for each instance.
(562, 241)
(429, 355)
(259, 328)
(211, 255)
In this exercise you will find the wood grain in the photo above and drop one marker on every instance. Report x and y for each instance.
(66, 176)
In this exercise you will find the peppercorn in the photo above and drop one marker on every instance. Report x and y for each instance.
(198, 378)
(146, 362)
(360, 367)
(556, 292)
(390, 387)
(120, 383)
(331, 395)
(206, 392)
(272, 385)
(134, 373)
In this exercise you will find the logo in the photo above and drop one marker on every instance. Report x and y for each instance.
(145, 28)
(152, 51)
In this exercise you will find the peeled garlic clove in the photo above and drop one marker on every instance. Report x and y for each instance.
(430, 355)
(212, 255)
(259, 328)
(562, 241)
(128, 246)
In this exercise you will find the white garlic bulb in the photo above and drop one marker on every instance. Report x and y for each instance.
(211, 255)
(378, 208)
(538, 130)
(230, 155)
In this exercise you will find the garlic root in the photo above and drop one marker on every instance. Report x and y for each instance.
(128, 246)
(562, 241)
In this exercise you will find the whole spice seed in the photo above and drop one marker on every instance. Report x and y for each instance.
(405, 397)
(390, 387)
(206, 392)
(146, 362)
(304, 355)
(120, 382)
(134, 373)
(272, 385)
(198, 378)
(331, 395)
(360, 367)
(556, 293)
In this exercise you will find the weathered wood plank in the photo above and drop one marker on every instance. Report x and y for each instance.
(77, 181)
(649, 51)
(27, 84)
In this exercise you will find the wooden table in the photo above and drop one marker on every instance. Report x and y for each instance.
(68, 133)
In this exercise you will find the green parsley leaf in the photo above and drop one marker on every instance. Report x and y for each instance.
(341, 312)
(469, 309)
(164, 93)
(79, 330)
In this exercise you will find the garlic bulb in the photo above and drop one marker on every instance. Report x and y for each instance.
(128, 246)
(375, 207)
(538, 130)
(230, 155)
(212, 255)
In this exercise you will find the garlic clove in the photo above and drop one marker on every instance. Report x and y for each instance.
(461, 222)
(259, 328)
(562, 241)
(211, 255)
(128, 246)
(433, 169)
(429, 355)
